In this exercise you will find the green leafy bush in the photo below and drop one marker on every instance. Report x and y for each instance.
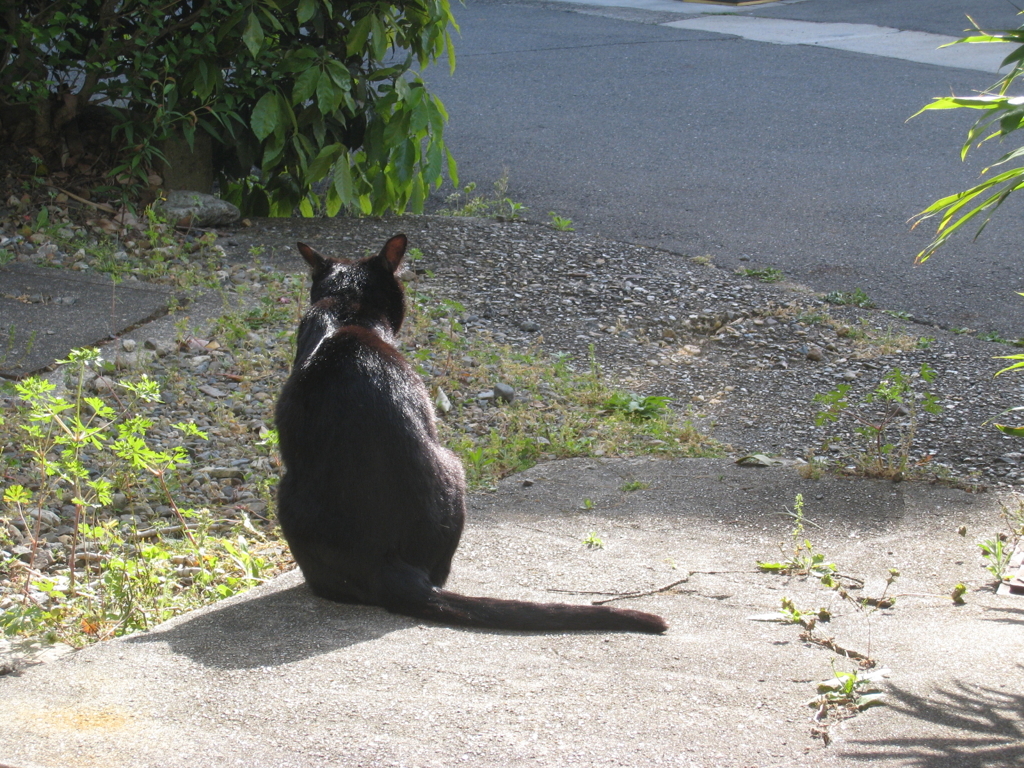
(308, 91)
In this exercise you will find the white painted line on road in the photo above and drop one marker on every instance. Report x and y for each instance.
(694, 7)
(922, 47)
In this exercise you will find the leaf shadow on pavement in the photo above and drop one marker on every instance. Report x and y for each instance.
(981, 727)
(279, 627)
(1005, 615)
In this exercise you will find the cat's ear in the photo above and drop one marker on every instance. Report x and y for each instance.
(318, 265)
(393, 252)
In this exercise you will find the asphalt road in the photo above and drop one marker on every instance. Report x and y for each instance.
(759, 155)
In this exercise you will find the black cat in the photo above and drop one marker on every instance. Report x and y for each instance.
(371, 503)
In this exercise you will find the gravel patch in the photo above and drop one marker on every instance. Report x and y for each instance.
(745, 358)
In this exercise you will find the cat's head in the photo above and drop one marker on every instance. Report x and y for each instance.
(367, 290)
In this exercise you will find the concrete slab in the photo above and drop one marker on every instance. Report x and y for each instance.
(44, 313)
(921, 47)
(280, 678)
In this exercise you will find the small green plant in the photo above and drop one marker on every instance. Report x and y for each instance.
(803, 560)
(587, 504)
(117, 578)
(593, 541)
(997, 553)
(992, 336)
(848, 693)
(957, 595)
(791, 614)
(637, 407)
(634, 485)
(888, 433)
(560, 223)
(766, 275)
(468, 202)
(899, 314)
(925, 342)
(854, 298)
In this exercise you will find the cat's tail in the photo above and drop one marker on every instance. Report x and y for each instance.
(408, 591)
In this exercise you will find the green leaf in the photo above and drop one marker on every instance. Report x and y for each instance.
(453, 170)
(272, 154)
(1011, 367)
(253, 35)
(305, 86)
(327, 96)
(378, 38)
(869, 700)
(404, 159)
(265, 117)
(306, 10)
(355, 43)
(333, 203)
(418, 194)
(339, 74)
(1011, 431)
(342, 180)
(322, 163)
(419, 118)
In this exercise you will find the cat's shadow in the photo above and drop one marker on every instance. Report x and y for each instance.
(279, 627)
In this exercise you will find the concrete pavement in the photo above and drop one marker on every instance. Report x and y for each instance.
(280, 678)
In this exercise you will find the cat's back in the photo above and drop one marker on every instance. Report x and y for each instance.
(354, 386)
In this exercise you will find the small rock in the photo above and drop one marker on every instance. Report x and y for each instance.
(124, 361)
(162, 348)
(504, 392)
(232, 473)
(128, 345)
(529, 326)
(201, 210)
(46, 517)
(815, 353)
(139, 509)
(444, 405)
